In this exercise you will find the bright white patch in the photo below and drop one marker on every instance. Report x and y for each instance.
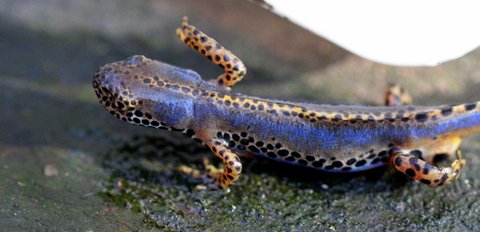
(406, 32)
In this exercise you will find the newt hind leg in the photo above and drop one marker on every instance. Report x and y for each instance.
(426, 173)
(396, 96)
(418, 161)
(234, 68)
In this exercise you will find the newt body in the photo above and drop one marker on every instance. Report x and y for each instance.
(334, 138)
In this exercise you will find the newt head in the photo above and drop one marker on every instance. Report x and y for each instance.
(147, 92)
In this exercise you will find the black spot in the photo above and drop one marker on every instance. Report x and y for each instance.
(235, 137)
(217, 58)
(426, 170)
(244, 141)
(155, 123)
(382, 153)
(203, 39)
(297, 155)
(360, 163)
(447, 111)
(243, 134)
(278, 145)
(421, 117)
(351, 161)
(308, 157)
(425, 181)
(231, 144)
(470, 106)
(138, 113)
(145, 122)
(410, 172)
(259, 144)
(413, 160)
(318, 163)
(337, 164)
(226, 136)
(253, 149)
(283, 152)
(136, 120)
(371, 156)
(270, 146)
(120, 105)
(271, 154)
(398, 161)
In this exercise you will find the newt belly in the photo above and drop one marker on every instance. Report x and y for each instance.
(335, 138)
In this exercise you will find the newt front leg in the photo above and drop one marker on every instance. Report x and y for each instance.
(234, 68)
(232, 167)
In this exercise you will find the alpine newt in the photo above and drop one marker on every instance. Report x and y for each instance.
(333, 138)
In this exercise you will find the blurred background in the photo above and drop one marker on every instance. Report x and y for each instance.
(405, 33)
(66, 164)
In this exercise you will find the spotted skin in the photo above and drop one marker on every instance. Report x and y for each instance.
(419, 170)
(234, 68)
(333, 138)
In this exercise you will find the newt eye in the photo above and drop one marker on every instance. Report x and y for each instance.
(133, 60)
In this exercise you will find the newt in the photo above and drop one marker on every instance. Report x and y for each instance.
(332, 138)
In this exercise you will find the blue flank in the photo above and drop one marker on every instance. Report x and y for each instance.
(309, 138)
